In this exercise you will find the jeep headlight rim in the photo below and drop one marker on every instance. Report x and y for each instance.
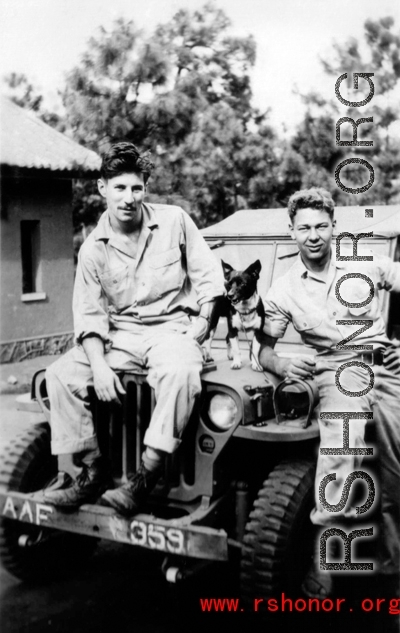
(222, 411)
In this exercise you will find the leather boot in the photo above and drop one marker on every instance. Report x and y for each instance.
(130, 498)
(91, 482)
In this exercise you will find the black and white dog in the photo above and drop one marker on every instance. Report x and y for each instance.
(243, 309)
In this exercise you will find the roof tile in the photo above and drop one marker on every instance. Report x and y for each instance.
(28, 142)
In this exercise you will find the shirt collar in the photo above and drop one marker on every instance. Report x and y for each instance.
(103, 230)
(301, 270)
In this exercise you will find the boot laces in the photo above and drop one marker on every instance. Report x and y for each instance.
(138, 480)
(83, 476)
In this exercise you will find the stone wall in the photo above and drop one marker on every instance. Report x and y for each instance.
(16, 351)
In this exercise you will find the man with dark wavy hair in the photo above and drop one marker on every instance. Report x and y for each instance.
(143, 274)
(305, 296)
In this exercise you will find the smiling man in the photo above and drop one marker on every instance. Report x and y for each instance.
(143, 274)
(305, 296)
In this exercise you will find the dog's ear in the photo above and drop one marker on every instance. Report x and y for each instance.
(254, 269)
(227, 268)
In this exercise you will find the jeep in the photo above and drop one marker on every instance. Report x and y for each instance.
(240, 486)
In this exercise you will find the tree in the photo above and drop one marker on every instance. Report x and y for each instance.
(184, 92)
(150, 89)
(208, 163)
(207, 59)
(315, 139)
(22, 92)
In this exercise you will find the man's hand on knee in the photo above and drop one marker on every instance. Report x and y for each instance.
(200, 329)
(106, 383)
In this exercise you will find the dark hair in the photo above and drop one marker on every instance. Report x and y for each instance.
(124, 158)
(314, 198)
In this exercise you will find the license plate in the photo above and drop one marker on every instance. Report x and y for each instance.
(159, 537)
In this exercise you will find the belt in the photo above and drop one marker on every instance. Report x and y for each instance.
(372, 358)
(375, 357)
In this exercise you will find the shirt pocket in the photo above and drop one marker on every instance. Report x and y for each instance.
(167, 271)
(305, 321)
(117, 285)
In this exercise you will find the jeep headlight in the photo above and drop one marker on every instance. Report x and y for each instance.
(222, 411)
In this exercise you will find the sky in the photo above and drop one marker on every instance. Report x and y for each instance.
(45, 38)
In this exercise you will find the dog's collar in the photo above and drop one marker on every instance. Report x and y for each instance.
(251, 310)
(246, 312)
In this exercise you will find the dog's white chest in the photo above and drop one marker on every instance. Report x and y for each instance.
(250, 321)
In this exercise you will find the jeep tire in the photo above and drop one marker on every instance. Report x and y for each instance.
(277, 545)
(27, 551)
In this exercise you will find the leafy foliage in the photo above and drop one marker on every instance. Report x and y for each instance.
(26, 95)
(315, 137)
(184, 92)
(150, 90)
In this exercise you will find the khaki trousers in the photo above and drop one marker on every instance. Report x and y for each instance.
(173, 360)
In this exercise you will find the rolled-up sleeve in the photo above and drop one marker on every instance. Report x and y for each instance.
(89, 303)
(203, 268)
(276, 317)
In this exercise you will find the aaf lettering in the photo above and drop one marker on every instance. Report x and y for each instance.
(36, 513)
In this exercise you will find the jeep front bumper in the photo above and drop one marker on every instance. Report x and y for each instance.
(173, 536)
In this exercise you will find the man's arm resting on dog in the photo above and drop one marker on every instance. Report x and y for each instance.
(300, 367)
(106, 383)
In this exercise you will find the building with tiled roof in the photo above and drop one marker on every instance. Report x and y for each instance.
(38, 164)
(26, 142)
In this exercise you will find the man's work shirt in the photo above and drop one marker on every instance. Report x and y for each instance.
(303, 298)
(173, 273)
